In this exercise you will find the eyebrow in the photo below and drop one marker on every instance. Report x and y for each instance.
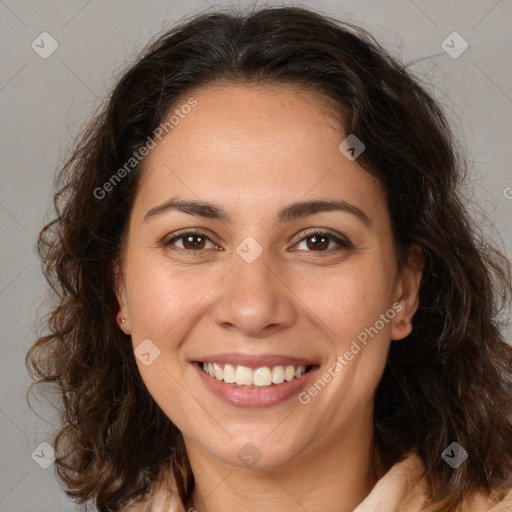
(288, 213)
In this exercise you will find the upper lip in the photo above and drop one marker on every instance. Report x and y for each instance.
(254, 361)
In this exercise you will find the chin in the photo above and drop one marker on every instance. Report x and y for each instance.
(257, 451)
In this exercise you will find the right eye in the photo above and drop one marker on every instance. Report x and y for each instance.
(191, 241)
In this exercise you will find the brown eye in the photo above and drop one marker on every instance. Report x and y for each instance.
(317, 242)
(194, 242)
(190, 241)
(323, 242)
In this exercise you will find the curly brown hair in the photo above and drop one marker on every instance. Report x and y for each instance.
(451, 381)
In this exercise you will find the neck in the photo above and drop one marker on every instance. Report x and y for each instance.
(334, 475)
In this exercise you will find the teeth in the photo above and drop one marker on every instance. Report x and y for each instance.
(299, 371)
(219, 372)
(261, 377)
(278, 374)
(243, 376)
(289, 373)
(229, 374)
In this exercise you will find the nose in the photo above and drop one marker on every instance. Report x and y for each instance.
(254, 299)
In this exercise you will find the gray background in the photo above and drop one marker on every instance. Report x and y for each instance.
(45, 101)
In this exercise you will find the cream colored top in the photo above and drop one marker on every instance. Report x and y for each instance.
(402, 489)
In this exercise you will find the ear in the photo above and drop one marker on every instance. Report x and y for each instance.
(407, 293)
(123, 316)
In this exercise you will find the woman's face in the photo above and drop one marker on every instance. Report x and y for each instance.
(277, 253)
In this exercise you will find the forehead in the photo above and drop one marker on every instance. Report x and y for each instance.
(256, 144)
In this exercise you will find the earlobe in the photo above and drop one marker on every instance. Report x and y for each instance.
(408, 293)
(401, 330)
(122, 317)
(122, 321)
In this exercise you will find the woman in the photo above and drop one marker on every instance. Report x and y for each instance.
(269, 294)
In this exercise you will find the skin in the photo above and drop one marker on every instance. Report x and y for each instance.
(253, 150)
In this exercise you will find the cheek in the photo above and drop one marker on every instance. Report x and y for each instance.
(350, 299)
(162, 298)
(353, 307)
(164, 304)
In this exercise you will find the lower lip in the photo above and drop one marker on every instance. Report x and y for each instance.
(254, 397)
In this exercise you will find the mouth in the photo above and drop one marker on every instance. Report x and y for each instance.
(262, 377)
(254, 384)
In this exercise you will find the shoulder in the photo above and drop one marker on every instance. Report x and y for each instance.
(405, 487)
(401, 488)
(497, 500)
(162, 497)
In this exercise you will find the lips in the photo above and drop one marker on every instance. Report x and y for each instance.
(254, 381)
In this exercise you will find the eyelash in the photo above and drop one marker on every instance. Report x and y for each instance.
(343, 243)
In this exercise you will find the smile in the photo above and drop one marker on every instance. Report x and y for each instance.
(243, 376)
(249, 381)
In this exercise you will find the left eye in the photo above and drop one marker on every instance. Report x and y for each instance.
(321, 242)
